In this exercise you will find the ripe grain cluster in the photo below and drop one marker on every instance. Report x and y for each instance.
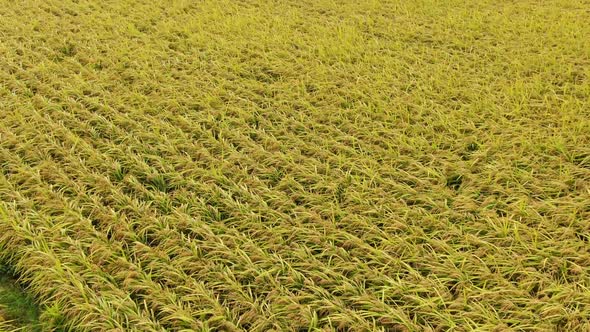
(298, 165)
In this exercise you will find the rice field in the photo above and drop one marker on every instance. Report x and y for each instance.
(297, 165)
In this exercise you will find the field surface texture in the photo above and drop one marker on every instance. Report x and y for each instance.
(297, 165)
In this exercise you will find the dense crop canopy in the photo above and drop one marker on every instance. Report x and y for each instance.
(298, 165)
